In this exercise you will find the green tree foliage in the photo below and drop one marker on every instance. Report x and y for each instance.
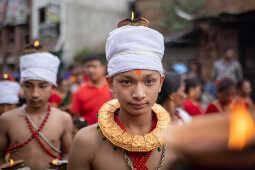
(174, 23)
(82, 54)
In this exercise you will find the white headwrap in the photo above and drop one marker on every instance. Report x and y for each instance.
(9, 92)
(39, 66)
(134, 47)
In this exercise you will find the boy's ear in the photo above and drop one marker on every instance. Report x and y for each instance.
(162, 78)
(110, 82)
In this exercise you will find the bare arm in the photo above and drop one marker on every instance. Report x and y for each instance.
(204, 142)
(67, 137)
(3, 137)
(83, 150)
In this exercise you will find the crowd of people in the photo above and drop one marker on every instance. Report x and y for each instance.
(42, 112)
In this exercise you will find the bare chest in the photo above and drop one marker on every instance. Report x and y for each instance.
(108, 158)
(19, 131)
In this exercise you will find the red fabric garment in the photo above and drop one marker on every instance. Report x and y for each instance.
(86, 77)
(55, 99)
(212, 108)
(192, 109)
(139, 159)
(89, 99)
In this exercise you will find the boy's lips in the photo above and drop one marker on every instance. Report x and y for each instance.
(138, 105)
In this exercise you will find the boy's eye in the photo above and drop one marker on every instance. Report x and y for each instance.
(43, 86)
(125, 82)
(28, 85)
(149, 82)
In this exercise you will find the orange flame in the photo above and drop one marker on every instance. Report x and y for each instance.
(132, 16)
(36, 43)
(241, 126)
(11, 162)
(6, 76)
(54, 162)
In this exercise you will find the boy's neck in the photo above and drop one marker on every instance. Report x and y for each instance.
(137, 125)
(40, 110)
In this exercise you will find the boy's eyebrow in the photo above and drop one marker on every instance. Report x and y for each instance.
(126, 76)
(43, 83)
(149, 75)
(28, 83)
(144, 76)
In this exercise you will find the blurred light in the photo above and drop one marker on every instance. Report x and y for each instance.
(54, 162)
(36, 43)
(241, 126)
(132, 16)
(6, 76)
(11, 162)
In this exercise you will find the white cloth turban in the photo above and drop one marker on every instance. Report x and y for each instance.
(134, 47)
(39, 66)
(9, 92)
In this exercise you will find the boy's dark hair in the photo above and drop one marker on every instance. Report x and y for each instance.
(98, 57)
(80, 123)
(225, 84)
(170, 85)
(191, 83)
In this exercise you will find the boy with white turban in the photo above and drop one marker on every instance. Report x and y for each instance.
(36, 133)
(132, 131)
(9, 95)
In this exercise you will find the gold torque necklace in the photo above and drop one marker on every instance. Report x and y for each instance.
(132, 143)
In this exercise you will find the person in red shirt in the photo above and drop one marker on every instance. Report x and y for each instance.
(193, 90)
(244, 93)
(92, 95)
(226, 92)
(61, 97)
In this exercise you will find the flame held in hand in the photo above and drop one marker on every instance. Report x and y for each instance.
(36, 43)
(54, 162)
(11, 162)
(132, 16)
(6, 76)
(241, 126)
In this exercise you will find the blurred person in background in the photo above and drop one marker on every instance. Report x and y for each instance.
(172, 97)
(227, 67)
(208, 94)
(226, 93)
(77, 80)
(61, 97)
(192, 104)
(244, 90)
(194, 71)
(94, 93)
(9, 95)
(79, 123)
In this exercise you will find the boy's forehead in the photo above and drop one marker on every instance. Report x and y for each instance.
(36, 82)
(138, 73)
